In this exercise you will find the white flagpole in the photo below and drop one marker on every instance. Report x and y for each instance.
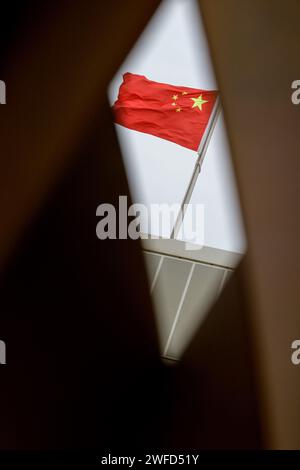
(201, 154)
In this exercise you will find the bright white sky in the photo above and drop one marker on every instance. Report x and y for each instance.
(173, 49)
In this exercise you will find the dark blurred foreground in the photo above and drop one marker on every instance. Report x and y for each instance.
(83, 368)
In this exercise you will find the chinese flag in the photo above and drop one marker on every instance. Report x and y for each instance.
(174, 113)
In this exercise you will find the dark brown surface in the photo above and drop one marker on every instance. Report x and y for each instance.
(255, 50)
(83, 364)
(82, 353)
(215, 404)
(57, 61)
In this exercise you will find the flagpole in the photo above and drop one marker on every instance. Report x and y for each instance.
(201, 154)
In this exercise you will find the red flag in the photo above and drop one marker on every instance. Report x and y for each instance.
(174, 113)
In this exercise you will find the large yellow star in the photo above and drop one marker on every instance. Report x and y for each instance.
(198, 102)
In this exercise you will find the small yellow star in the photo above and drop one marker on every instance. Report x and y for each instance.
(175, 97)
(184, 93)
(173, 104)
(198, 102)
(178, 110)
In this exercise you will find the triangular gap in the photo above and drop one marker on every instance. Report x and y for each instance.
(173, 49)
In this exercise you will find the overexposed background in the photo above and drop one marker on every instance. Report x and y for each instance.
(173, 49)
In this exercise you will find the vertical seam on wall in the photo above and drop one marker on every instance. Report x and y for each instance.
(222, 282)
(179, 308)
(156, 274)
